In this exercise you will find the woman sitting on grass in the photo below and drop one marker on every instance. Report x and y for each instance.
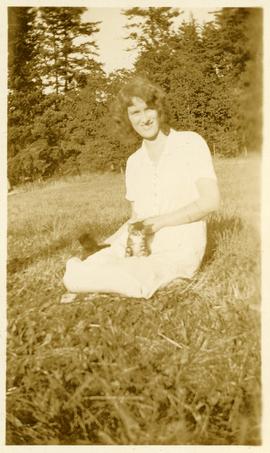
(172, 187)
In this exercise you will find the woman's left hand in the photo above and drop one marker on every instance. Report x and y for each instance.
(154, 223)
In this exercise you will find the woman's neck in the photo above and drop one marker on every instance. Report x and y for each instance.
(156, 146)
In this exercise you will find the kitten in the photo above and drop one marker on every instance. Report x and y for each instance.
(89, 244)
(138, 240)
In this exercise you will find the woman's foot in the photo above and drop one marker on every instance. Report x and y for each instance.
(68, 298)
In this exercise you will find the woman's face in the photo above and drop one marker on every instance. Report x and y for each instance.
(144, 120)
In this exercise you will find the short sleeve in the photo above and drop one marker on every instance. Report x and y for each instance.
(200, 159)
(130, 177)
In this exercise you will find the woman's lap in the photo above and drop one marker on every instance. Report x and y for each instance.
(109, 271)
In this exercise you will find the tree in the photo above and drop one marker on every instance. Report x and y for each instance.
(172, 59)
(152, 33)
(153, 27)
(250, 84)
(24, 93)
(66, 50)
(233, 50)
(183, 72)
(20, 48)
(40, 130)
(208, 72)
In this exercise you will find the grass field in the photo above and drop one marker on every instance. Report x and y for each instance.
(180, 368)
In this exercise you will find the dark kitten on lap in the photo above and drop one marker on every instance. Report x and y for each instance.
(89, 244)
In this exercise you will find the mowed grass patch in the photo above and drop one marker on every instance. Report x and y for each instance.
(180, 368)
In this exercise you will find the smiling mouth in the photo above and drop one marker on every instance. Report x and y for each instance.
(147, 126)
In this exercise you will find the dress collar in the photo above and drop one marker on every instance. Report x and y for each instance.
(165, 151)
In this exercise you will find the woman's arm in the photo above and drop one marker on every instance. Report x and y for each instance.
(134, 216)
(207, 202)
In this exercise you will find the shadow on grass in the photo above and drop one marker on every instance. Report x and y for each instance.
(16, 264)
(216, 226)
(70, 241)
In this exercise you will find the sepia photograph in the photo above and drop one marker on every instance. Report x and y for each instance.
(133, 183)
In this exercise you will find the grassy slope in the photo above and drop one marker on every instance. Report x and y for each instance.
(182, 368)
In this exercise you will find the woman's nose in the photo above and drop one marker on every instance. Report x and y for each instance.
(145, 117)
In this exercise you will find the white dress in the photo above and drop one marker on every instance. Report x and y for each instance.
(155, 189)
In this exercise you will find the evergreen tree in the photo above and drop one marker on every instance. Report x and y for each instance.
(212, 74)
(184, 77)
(233, 50)
(249, 114)
(62, 61)
(24, 92)
(42, 138)
(153, 27)
(174, 61)
(152, 33)
(20, 48)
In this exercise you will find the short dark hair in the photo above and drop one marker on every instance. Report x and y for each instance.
(151, 94)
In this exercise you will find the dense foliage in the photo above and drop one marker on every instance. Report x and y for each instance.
(59, 95)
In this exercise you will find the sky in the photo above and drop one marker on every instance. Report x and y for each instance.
(110, 38)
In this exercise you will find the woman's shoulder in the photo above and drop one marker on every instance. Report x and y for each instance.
(190, 143)
(135, 157)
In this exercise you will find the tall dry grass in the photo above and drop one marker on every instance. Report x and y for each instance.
(181, 368)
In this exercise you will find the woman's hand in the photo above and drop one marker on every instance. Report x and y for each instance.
(154, 224)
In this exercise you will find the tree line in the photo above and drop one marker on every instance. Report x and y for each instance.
(59, 119)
